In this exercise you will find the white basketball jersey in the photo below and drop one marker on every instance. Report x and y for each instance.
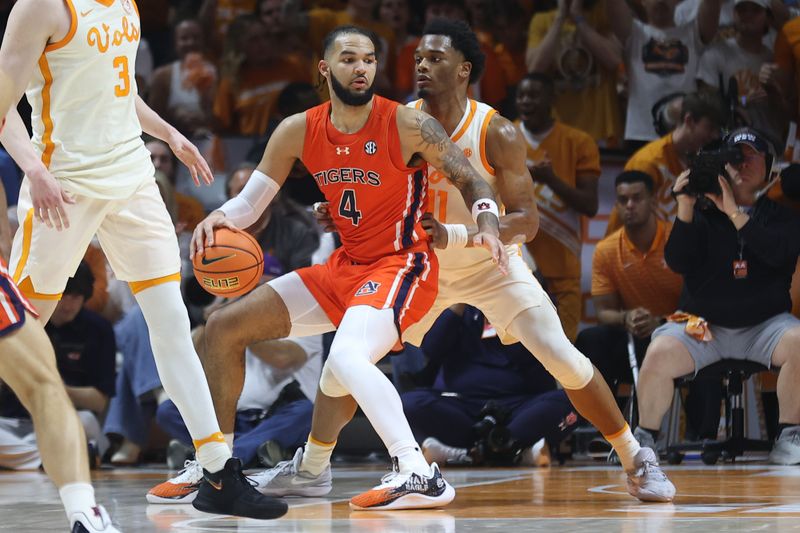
(446, 202)
(83, 97)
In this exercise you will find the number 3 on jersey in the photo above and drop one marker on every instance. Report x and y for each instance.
(347, 206)
(124, 87)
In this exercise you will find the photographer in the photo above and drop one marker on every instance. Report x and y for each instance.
(736, 251)
(488, 399)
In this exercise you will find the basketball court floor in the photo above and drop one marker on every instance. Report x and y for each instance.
(742, 497)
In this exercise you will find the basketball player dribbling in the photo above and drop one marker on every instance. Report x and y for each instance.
(368, 157)
(448, 59)
(88, 172)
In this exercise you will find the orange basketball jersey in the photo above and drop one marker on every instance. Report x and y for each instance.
(376, 201)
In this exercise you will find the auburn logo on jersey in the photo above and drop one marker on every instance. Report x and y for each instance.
(370, 287)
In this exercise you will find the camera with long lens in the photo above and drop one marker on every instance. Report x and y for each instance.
(494, 444)
(708, 164)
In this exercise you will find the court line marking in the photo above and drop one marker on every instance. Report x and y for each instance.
(603, 489)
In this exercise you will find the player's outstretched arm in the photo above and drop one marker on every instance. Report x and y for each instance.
(183, 149)
(31, 25)
(422, 134)
(285, 146)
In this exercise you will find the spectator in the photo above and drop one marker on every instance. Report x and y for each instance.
(186, 210)
(574, 44)
(85, 356)
(632, 288)
(183, 91)
(701, 118)
(565, 164)
(276, 403)
(474, 368)
(786, 69)
(253, 76)
(739, 60)
(217, 16)
(780, 13)
(285, 230)
(660, 57)
(139, 389)
(736, 257)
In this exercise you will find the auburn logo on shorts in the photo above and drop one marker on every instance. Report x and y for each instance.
(368, 288)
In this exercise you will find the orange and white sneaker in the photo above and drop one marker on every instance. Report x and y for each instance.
(180, 489)
(406, 491)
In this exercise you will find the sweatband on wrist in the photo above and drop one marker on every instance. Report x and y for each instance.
(484, 205)
(457, 236)
(243, 210)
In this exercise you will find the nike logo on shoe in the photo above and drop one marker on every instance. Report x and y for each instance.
(217, 486)
(84, 13)
(206, 261)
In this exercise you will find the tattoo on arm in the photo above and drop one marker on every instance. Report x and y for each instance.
(432, 133)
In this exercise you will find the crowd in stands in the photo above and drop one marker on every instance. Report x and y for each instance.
(652, 82)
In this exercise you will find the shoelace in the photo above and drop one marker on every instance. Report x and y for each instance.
(191, 470)
(651, 468)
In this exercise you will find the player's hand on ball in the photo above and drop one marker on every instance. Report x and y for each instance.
(435, 230)
(204, 232)
(495, 247)
(323, 215)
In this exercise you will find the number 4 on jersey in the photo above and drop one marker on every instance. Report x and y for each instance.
(347, 206)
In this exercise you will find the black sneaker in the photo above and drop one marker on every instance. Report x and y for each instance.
(230, 492)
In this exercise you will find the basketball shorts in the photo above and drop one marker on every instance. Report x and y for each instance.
(403, 282)
(482, 285)
(13, 304)
(136, 234)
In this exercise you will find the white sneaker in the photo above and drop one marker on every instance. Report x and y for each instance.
(180, 489)
(435, 451)
(98, 522)
(536, 455)
(647, 481)
(786, 450)
(286, 479)
(406, 491)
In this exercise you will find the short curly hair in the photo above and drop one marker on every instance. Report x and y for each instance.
(463, 39)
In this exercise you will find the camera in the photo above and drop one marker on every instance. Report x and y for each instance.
(708, 164)
(494, 443)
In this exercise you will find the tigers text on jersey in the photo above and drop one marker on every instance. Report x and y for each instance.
(83, 96)
(447, 203)
(376, 201)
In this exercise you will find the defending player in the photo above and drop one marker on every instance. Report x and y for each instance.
(90, 173)
(368, 156)
(448, 59)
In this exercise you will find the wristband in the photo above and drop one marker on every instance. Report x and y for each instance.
(457, 236)
(484, 205)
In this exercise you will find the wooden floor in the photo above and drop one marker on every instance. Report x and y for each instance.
(744, 497)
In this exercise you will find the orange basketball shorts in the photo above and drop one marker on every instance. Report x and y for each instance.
(406, 282)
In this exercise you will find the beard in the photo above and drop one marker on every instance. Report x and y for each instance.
(349, 97)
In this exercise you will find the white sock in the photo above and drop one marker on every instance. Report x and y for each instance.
(181, 372)
(410, 458)
(626, 446)
(316, 456)
(77, 498)
(228, 440)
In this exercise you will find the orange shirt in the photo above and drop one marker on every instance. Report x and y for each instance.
(787, 53)
(245, 108)
(640, 280)
(659, 159)
(376, 200)
(557, 246)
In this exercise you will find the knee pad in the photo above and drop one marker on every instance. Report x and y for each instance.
(329, 385)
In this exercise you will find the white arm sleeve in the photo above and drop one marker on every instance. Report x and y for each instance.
(244, 209)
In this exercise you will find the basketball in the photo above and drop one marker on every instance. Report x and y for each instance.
(232, 266)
